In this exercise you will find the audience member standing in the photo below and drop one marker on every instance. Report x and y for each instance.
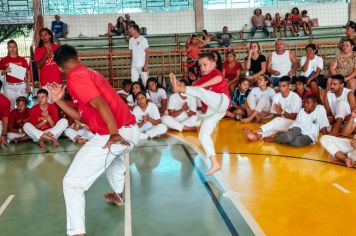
(14, 87)
(44, 52)
(139, 55)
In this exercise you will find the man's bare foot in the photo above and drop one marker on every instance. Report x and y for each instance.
(41, 143)
(332, 158)
(45, 136)
(215, 166)
(268, 139)
(54, 142)
(113, 198)
(350, 163)
(250, 135)
(81, 140)
(247, 120)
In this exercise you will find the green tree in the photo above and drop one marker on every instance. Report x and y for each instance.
(14, 31)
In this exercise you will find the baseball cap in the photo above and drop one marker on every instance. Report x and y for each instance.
(351, 24)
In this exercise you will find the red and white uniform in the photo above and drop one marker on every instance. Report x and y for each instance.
(36, 116)
(84, 85)
(13, 87)
(16, 121)
(4, 109)
(216, 100)
(49, 72)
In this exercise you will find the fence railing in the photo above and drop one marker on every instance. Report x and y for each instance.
(116, 66)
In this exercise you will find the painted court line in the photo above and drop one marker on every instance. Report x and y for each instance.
(128, 224)
(6, 203)
(246, 214)
(342, 189)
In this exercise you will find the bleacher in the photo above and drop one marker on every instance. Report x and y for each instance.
(111, 57)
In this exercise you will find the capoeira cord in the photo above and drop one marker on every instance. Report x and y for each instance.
(120, 155)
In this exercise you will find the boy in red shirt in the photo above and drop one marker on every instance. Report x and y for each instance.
(14, 87)
(106, 115)
(211, 88)
(18, 117)
(44, 52)
(44, 123)
(4, 116)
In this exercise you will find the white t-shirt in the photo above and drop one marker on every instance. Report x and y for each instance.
(312, 123)
(291, 104)
(334, 101)
(151, 110)
(176, 102)
(313, 65)
(269, 93)
(138, 47)
(156, 97)
(131, 102)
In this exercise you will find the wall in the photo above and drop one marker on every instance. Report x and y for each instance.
(184, 22)
(156, 23)
(235, 19)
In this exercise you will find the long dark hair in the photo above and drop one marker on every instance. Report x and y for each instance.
(218, 61)
(40, 43)
(131, 89)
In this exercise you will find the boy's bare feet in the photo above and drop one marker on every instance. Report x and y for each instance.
(46, 136)
(250, 135)
(41, 143)
(215, 166)
(350, 163)
(54, 142)
(112, 198)
(332, 158)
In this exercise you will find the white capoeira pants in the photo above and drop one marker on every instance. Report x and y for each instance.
(178, 123)
(334, 144)
(277, 125)
(87, 166)
(13, 91)
(136, 72)
(11, 136)
(261, 105)
(35, 134)
(153, 130)
(83, 133)
(217, 104)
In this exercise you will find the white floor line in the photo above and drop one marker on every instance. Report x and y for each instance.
(341, 188)
(246, 214)
(128, 224)
(6, 203)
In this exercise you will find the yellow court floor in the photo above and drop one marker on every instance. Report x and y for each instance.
(282, 190)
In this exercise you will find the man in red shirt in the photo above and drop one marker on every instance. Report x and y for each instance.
(14, 87)
(44, 52)
(44, 123)
(106, 115)
(18, 117)
(4, 116)
(211, 88)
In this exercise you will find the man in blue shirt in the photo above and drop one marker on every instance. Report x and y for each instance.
(59, 28)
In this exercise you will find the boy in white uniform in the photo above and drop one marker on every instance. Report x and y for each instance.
(181, 112)
(78, 133)
(139, 55)
(339, 103)
(285, 107)
(148, 118)
(305, 129)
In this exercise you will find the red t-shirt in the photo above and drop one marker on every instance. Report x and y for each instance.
(36, 115)
(303, 95)
(49, 72)
(20, 61)
(18, 119)
(217, 88)
(84, 85)
(230, 72)
(4, 106)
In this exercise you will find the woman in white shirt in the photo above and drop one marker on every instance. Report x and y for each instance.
(136, 87)
(148, 118)
(311, 66)
(259, 101)
(158, 95)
